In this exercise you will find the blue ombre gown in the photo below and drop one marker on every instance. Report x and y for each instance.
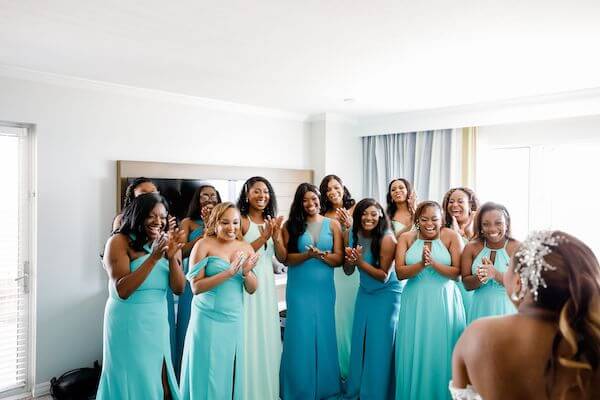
(467, 295)
(211, 367)
(309, 363)
(372, 374)
(490, 298)
(184, 304)
(262, 334)
(431, 322)
(136, 339)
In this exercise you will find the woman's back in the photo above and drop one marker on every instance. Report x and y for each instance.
(506, 358)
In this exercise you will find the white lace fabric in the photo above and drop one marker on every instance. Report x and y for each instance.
(467, 393)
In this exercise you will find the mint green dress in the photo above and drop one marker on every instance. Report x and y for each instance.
(262, 334)
(136, 341)
(346, 289)
(490, 298)
(431, 320)
(184, 304)
(467, 295)
(211, 367)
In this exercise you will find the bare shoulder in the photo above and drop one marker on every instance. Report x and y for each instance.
(388, 240)
(119, 240)
(408, 237)
(474, 246)
(489, 332)
(512, 246)
(335, 224)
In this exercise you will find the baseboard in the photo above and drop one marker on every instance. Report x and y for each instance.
(41, 389)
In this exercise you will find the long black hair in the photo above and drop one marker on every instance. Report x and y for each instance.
(391, 205)
(135, 215)
(244, 206)
(194, 210)
(296, 223)
(130, 191)
(347, 200)
(377, 233)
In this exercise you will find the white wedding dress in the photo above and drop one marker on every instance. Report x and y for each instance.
(467, 393)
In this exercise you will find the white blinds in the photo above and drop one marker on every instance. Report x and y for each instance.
(14, 238)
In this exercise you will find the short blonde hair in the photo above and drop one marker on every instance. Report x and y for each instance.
(216, 214)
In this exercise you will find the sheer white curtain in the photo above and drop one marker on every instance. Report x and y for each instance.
(430, 160)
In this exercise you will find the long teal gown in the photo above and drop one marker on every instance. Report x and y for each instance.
(467, 295)
(490, 298)
(136, 339)
(309, 363)
(431, 322)
(346, 289)
(262, 334)
(184, 304)
(372, 374)
(211, 367)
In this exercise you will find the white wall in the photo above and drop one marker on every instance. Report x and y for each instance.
(81, 132)
(337, 149)
(557, 131)
(538, 108)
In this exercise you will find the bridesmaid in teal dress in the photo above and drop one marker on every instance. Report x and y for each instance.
(313, 247)
(432, 317)
(141, 260)
(372, 249)
(337, 203)
(258, 207)
(204, 199)
(212, 364)
(485, 260)
(460, 206)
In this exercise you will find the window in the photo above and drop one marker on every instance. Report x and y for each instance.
(14, 260)
(544, 186)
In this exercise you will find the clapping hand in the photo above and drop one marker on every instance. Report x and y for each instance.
(349, 256)
(249, 264)
(412, 201)
(175, 241)
(344, 217)
(266, 230)
(427, 260)
(486, 270)
(314, 252)
(205, 212)
(238, 259)
(276, 224)
(159, 246)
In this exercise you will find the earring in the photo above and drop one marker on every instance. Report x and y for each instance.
(514, 296)
(418, 226)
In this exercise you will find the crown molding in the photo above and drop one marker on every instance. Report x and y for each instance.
(16, 72)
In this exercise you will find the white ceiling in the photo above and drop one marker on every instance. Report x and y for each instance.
(306, 56)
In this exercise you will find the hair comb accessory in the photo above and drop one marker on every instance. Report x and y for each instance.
(531, 262)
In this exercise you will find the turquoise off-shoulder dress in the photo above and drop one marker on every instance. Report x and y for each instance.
(136, 341)
(211, 367)
(490, 298)
(431, 320)
(372, 375)
(262, 334)
(184, 304)
(309, 363)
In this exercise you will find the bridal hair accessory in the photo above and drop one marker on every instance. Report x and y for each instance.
(531, 262)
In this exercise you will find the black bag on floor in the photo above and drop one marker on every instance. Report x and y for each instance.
(78, 384)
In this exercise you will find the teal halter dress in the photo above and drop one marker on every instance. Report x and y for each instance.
(309, 363)
(184, 305)
(262, 334)
(372, 374)
(431, 322)
(467, 295)
(136, 339)
(211, 367)
(490, 299)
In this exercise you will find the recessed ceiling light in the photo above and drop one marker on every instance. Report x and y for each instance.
(349, 100)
